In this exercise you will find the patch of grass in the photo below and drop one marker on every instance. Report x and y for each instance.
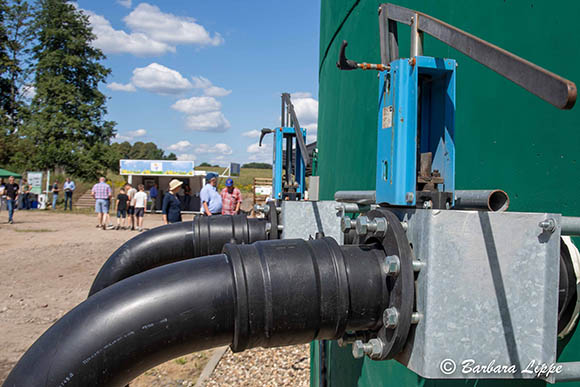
(181, 360)
(33, 230)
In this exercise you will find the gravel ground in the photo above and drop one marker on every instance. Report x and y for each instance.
(285, 366)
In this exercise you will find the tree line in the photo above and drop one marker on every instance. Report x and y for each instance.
(52, 113)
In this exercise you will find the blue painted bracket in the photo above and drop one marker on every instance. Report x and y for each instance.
(406, 128)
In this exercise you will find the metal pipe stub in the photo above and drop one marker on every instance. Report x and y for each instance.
(494, 200)
(401, 287)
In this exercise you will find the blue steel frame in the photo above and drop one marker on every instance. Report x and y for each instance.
(432, 80)
(300, 173)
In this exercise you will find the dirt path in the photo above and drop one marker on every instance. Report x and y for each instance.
(48, 263)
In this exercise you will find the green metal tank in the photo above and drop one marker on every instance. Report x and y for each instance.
(505, 137)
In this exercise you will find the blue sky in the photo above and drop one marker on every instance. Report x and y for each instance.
(200, 78)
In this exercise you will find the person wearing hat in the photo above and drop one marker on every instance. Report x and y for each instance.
(231, 199)
(171, 207)
(211, 201)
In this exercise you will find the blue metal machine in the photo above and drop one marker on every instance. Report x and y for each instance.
(288, 175)
(415, 140)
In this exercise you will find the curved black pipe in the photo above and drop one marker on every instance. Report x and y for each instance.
(270, 293)
(123, 330)
(176, 242)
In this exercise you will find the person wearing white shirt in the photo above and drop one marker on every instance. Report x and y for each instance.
(140, 200)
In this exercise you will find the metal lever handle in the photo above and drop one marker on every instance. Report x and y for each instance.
(343, 63)
(265, 131)
(548, 86)
(348, 64)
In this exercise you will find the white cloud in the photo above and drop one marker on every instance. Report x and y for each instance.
(252, 133)
(113, 41)
(260, 154)
(165, 27)
(224, 149)
(197, 105)
(125, 3)
(208, 88)
(306, 109)
(180, 146)
(186, 157)
(137, 133)
(129, 87)
(208, 122)
(160, 79)
(130, 135)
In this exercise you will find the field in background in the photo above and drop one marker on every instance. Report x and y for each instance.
(245, 181)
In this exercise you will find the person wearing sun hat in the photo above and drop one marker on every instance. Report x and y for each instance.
(231, 199)
(211, 201)
(171, 207)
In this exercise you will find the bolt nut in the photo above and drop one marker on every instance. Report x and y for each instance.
(266, 208)
(409, 197)
(362, 225)
(258, 208)
(268, 227)
(377, 346)
(428, 204)
(392, 265)
(548, 225)
(380, 225)
(358, 349)
(346, 224)
(390, 318)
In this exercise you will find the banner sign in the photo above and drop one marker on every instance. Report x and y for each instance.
(156, 167)
(35, 182)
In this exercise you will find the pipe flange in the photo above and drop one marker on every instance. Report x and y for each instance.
(401, 287)
(272, 217)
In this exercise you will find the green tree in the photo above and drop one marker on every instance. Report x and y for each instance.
(20, 36)
(67, 127)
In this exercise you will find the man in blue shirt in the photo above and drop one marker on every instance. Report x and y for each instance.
(211, 201)
(69, 188)
(153, 193)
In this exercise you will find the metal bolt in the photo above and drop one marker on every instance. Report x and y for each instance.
(258, 208)
(416, 317)
(278, 209)
(390, 318)
(268, 227)
(266, 208)
(346, 224)
(409, 197)
(405, 225)
(418, 265)
(280, 227)
(377, 346)
(548, 225)
(428, 204)
(365, 225)
(392, 265)
(362, 225)
(359, 349)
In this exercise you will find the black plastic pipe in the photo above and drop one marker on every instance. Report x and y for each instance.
(270, 293)
(175, 242)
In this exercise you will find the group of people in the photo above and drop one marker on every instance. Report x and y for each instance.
(19, 196)
(227, 202)
(130, 204)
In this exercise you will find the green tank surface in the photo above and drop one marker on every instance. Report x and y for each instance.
(505, 137)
